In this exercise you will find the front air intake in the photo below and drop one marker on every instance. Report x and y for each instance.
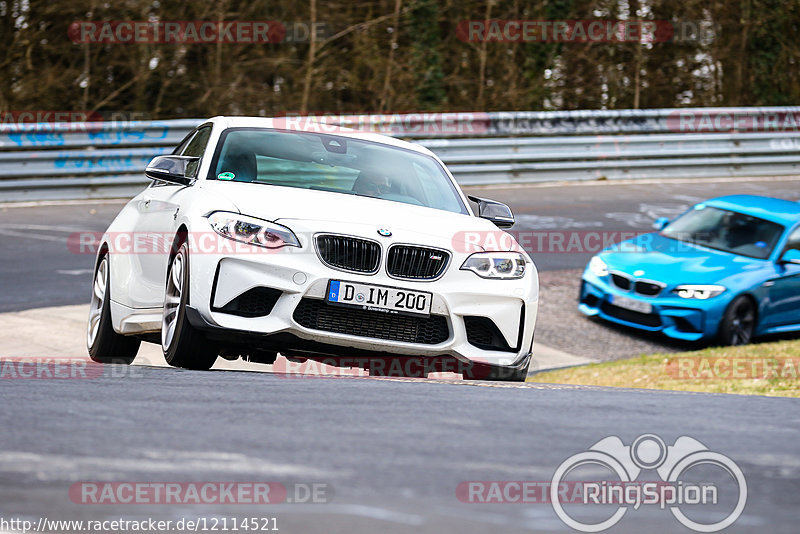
(316, 314)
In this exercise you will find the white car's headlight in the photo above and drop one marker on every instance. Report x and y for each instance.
(598, 267)
(252, 230)
(499, 265)
(701, 292)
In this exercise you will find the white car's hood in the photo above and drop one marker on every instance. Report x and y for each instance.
(336, 212)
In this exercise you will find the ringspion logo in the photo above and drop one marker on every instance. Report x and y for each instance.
(672, 463)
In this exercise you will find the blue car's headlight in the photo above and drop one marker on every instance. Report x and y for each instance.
(498, 265)
(251, 230)
(698, 291)
(598, 267)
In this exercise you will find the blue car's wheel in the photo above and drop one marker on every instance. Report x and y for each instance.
(739, 322)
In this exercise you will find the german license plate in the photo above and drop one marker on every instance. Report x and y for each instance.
(382, 299)
(631, 304)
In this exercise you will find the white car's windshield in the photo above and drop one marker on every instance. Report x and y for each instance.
(333, 163)
(730, 231)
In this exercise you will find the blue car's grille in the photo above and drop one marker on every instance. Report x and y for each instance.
(649, 289)
(621, 282)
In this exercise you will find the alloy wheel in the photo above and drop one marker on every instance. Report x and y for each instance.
(172, 301)
(97, 302)
(742, 323)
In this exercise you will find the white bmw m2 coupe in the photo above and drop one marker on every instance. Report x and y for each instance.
(256, 239)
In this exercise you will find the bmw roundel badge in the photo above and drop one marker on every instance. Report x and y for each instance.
(384, 232)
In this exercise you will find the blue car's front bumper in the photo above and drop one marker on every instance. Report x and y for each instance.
(678, 318)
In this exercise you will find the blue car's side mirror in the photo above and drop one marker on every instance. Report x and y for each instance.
(791, 256)
(660, 223)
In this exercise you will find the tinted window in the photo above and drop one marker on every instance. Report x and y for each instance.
(726, 230)
(336, 164)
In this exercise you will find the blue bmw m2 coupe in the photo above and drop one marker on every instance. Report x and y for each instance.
(728, 270)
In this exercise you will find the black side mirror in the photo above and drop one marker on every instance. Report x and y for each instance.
(494, 211)
(172, 169)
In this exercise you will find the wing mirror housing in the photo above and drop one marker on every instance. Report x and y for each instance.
(660, 223)
(494, 211)
(172, 169)
(790, 256)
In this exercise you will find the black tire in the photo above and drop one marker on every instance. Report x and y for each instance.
(103, 343)
(739, 322)
(497, 373)
(184, 346)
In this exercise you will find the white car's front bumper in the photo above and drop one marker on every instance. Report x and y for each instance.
(302, 280)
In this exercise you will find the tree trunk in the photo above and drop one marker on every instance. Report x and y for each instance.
(312, 52)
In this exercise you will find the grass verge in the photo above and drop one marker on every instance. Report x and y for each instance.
(761, 369)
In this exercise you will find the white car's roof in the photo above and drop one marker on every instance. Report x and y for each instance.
(308, 124)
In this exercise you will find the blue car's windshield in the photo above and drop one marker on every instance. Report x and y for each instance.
(730, 231)
(336, 164)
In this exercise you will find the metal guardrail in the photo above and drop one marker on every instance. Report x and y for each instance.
(104, 160)
(521, 160)
(49, 161)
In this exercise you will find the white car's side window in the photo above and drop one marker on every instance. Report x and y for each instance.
(197, 147)
(186, 140)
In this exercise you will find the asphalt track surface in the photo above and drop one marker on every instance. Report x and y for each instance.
(391, 452)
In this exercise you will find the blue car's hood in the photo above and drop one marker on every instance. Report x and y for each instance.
(673, 262)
